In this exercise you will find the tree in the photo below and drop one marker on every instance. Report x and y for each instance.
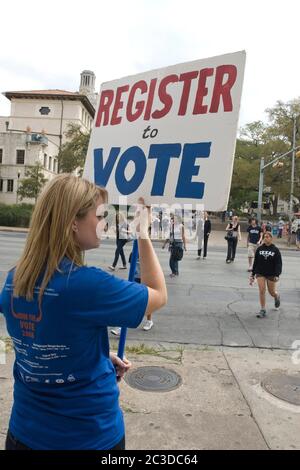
(244, 183)
(73, 153)
(30, 186)
(266, 140)
(280, 133)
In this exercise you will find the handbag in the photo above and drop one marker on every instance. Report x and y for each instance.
(229, 235)
(177, 252)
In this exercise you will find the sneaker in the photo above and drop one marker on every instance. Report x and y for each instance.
(172, 275)
(261, 314)
(123, 267)
(116, 331)
(228, 261)
(148, 325)
(111, 268)
(277, 301)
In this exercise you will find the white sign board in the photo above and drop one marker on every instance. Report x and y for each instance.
(169, 134)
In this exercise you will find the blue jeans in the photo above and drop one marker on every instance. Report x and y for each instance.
(231, 248)
(119, 251)
(173, 262)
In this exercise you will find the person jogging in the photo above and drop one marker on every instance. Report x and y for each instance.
(267, 268)
(57, 310)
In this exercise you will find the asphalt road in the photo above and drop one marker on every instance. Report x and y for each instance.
(210, 303)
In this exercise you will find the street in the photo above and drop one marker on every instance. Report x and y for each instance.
(210, 303)
(208, 333)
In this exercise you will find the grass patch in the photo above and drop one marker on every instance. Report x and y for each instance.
(8, 343)
(142, 349)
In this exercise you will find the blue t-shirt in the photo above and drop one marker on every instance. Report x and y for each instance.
(254, 234)
(65, 392)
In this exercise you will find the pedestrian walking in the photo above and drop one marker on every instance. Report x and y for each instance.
(57, 310)
(166, 226)
(137, 278)
(233, 236)
(200, 233)
(267, 268)
(254, 239)
(189, 225)
(296, 231)
(177, 243)
(207, 231)
(122, 237)
(155, 227)
(281, 225)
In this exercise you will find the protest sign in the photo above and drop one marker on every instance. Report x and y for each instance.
(169, 134)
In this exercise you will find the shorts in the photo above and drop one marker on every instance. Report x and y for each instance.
(269, 278)
(251, 250)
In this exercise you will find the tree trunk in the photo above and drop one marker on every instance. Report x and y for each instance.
(275, 204)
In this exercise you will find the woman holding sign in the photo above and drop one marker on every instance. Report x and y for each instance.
(57, 311)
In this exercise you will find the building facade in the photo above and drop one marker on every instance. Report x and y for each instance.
(35, 130)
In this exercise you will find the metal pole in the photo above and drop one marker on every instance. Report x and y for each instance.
(293, 169)
(134, 258)
(260, 189)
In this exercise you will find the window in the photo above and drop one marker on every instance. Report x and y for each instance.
(1, 185)
(45, 160)
(20, 157)
(1, 155)
(10, 186)
(44, 110)
(55, 166)
(50, 164)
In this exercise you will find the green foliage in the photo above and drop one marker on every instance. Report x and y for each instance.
(266, 140)
(16, 215)
(73, 153)
(31, 185)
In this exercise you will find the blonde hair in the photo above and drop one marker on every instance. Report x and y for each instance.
(50, 236)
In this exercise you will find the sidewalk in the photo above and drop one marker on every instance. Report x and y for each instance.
(219, 405)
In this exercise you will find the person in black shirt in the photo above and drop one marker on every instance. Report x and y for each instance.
(207, 230)
(267, 268)
(253, 240)
(233, 236)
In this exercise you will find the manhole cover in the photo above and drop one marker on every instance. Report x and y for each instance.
(153, 379)
(285, 387)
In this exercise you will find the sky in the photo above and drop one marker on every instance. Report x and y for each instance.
(48, 44)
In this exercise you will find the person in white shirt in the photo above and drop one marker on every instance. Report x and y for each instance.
(177, 243)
